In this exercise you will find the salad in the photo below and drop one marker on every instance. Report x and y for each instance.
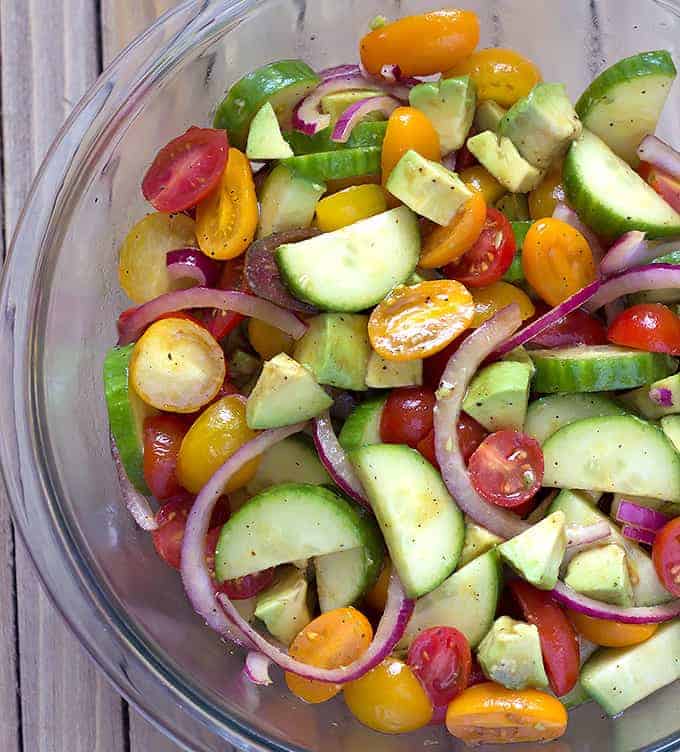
(399, 393)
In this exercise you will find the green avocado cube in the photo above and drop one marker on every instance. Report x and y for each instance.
(504, 162)
(284, 606)
(488, 116)
(602, 573)
(388, 374)
(498, 395)
(478, 540)
(264, 137)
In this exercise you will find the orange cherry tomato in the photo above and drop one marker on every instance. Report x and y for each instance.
(421, 45)
(408, 128)
(376, 597)
(446, 244)
(226, 220)
(416, 321)
(557, 260)
(547, 194)
(334, 639)
(479, 180)
(499, 74)
(491, 714)
(611, 634)
(490, 299)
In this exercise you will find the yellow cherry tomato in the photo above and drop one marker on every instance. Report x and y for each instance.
(491, 299)
(445, 244)
(376, 597)
(491, 714)
(557, 260)
(408, 128)
(421, 45)
(545, 197)
(499, 74)
(480, 180)
(214, 436)
(349, 206)
(611, 634)
(267, 340)
(334, 639)
(389, 699)
(416, 321)
(226, 220)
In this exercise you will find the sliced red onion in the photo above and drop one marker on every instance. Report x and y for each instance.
(631, 249)
(583, 535)
(197, 581)
(336, 461)
(391, 72)
(136, 503)
(340, 70)
(638, 516)
(649, 277)
(398, 610)
(134, 322)
(638, 535)
(355, 112)
(662, 396)
(660, 154)
(449, 160)
(568, 215)
(256, 668)
(192, 264)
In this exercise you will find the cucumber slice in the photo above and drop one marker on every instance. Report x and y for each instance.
(283, 84)
(422, 526)
(363, 134)
(467, 600)
(623, 104)
(353, 268)
(335, 165)
(609, 196)
(616, 453)
(598, 368)
(287, 201)
(548, 414)
(362, 426)
(670, 425)
(126, 414)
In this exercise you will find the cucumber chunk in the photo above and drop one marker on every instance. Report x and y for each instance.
(363, 134)
(287, 201)
(362, 426)
(335, 165)
(293, 460)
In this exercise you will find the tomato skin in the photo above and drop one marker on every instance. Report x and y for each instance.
(576, 328)
(545, 197)
(648, 326)
(480, 181)
(408, 128)
(186, 170)
(350, 205)
(220, 323)
(666, 556)
(163, 436)
(470, 436)
(443, 245)
(663, 183)
(492, 298)
(248, 586)
(611, 634)
(408, 416)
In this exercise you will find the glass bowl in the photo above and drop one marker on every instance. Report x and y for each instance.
(58, 307)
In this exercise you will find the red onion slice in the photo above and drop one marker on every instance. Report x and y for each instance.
(660, 154)
(190, 263)
(347, 69)
(135, 320)
(136, 503)
(256, 669)
(638, 535)
(631, 249)
(449, 160)
(638, 516)
(649, 277)
(578, 535)
(568, 215)
(355, 112)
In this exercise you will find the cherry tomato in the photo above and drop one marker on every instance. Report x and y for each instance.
(499, 74)
(376, 597)
(443, 38)
(666, 556)
(442, 245)
(408, 128)
(576, 328)
(611, 634)
(248, 586)
(220, 323)
(545, 197)
(414, 321)
(491, 299)
(479, 180)
(186, 170)
(408, 416)
(490, 257)
(507, 468)
(350, 205)
(649, 326)
(470, 436)
(163, 436)
(267, 340)
(664, 184)
(557, 260)
(559, 643)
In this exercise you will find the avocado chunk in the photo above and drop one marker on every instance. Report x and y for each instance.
(285, 393)
(336, 103)
(428, 188)
(284, 606)
(670, 425)
(511, 655)
(478, 540)
(602, 573)
(336, 350)
(515, 207)
(504, 162)
(542, 124)
(499, 394)
(264, 137)
(655, 400)
(450, 106)
(387, 374)
(537, 553)
(488, 116)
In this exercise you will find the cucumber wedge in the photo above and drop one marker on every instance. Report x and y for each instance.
(623, 104)
(363, 134)
(362, 426)
(609, 196)
(335, 165)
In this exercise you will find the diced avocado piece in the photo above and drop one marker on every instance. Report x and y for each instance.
(542, 124)
(336, 349)
(264, 137)
(488, 116)
(537, 553)
(362, 426)
(511, 655)
(655, 400)
(427, 187)
(287, 201)
(450, 105)
(285, 393)
(336, 103)
(515, 206)
(670, 425)
(601, 573)
(504, 162)
(284, 607)
(499, 394)
(478, 540)
(387, 374)
(243, 367)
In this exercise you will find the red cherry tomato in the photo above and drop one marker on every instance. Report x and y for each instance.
(186, 170)
(666, 556)
(163, 436)
(576, 328)
(440, 657)
(490, 257)
(408, 416)
(220, 323)
(649, 326)
(664, 184)
(470, 436)
(507, 468)
(242, 587)
(559, 643)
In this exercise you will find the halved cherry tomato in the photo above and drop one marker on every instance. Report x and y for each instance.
(648, 326)
(576, 328)
(664, 184)
(491, 299)
(446, 244)
(559, 643)
(249, 585)
(611, 634)
(226, 220)
(557, 260)
(490, 257)
(350, 205)
(267, 340)
(545, 197)
(489, 713)
(163, 436)
(443, 38)
(334, 639)
(408, 128)
(220, 323)
(470, 436)
(414, 321)
(666, 556)
(408, 416)
(507, 468)
(186, 170)
(479, 180)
